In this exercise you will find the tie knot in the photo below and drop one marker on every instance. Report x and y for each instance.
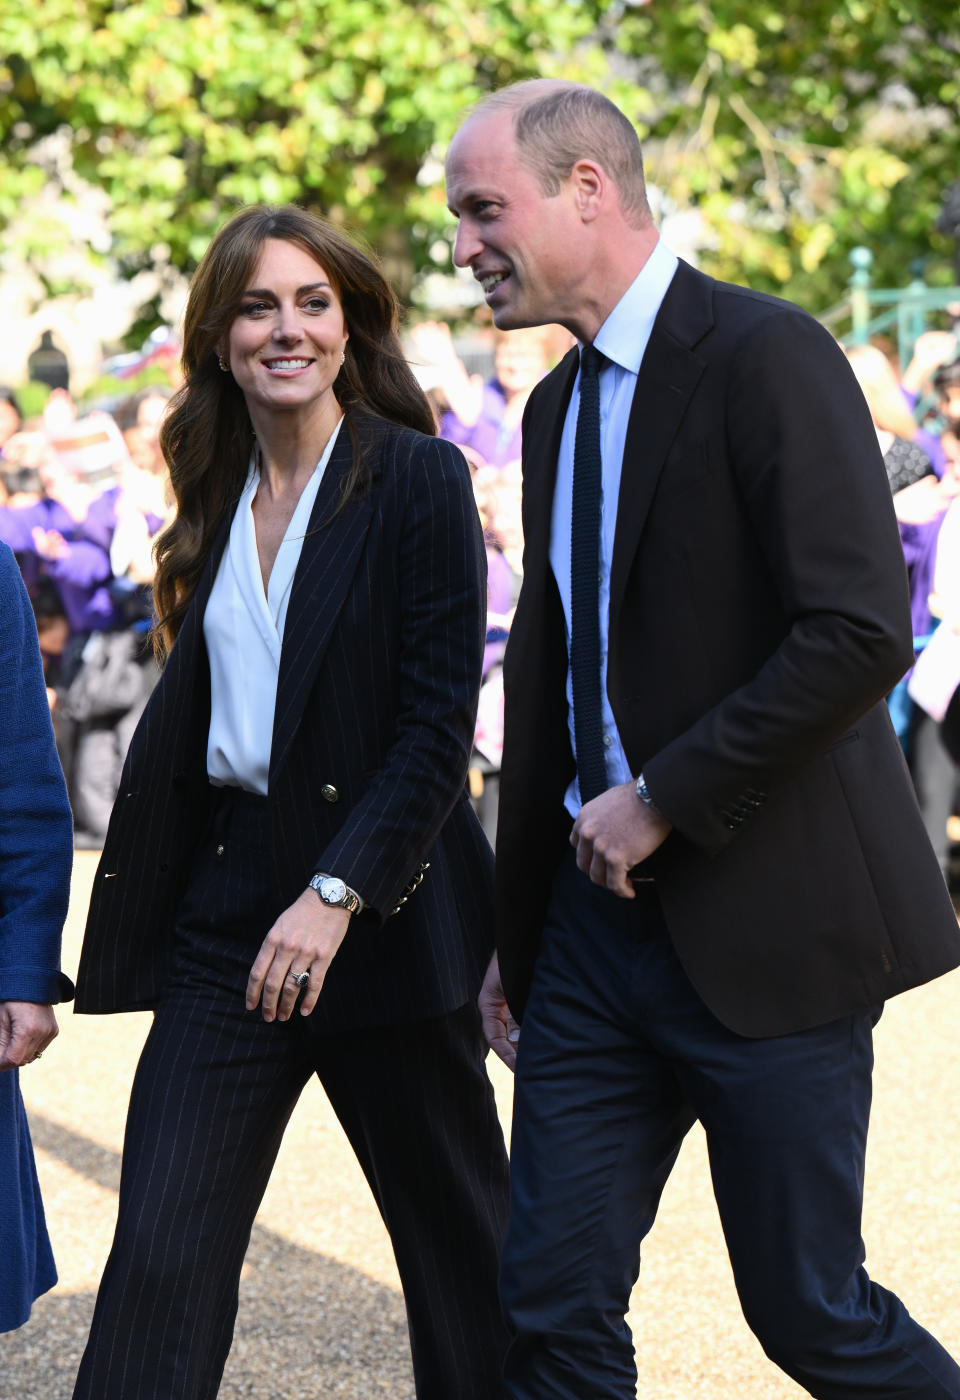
(591, 361)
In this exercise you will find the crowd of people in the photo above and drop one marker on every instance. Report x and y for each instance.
(84, 497)
(916, 415)
(711, 869)
(84, 494)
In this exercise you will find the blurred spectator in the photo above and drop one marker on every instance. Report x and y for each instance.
(497, 492)
(486, 417)
(84, 545)
(20, 486)
(932, 352)
(11, 419)
(945, 597)
(921, 509)
(946, 387)
(49, 538)
(904, 458)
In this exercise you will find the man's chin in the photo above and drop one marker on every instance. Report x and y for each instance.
(511, 318)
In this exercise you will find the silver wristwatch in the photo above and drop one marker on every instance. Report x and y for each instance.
(335, 893)
(643, 792)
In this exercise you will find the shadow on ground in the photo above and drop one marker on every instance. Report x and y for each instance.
(309, 1327)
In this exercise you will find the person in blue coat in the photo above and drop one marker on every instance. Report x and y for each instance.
(36, 853)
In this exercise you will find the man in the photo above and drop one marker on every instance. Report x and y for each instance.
(713, 606)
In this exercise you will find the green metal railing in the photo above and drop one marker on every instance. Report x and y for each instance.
(901, 311)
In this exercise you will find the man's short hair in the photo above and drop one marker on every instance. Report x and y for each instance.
(559, 123)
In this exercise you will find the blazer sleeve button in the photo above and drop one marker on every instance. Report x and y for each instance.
(329, 793)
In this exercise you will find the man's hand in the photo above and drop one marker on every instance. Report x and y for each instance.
(615, 832)
(26, 1029)
(499, 1027)
(305, 938)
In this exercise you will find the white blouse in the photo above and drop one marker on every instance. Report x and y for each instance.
(243, 630)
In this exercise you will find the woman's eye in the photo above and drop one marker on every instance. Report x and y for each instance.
(253, 308)
(317, 304)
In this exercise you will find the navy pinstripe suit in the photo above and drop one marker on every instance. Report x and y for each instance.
(376, 696)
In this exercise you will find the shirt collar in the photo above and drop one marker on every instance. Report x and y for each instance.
(624, 334)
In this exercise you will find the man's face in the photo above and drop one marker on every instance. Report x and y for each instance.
(525, 248)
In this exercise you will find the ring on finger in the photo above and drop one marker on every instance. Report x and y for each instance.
(301, 978)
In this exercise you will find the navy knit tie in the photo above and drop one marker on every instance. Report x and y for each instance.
(585, 583)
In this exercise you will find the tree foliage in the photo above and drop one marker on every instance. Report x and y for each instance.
(800, 131)
(794, 132)
(182, 110)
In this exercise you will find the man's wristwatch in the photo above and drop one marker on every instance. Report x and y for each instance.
(335, 893)
(643, 792)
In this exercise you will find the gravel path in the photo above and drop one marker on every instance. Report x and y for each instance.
(321, 1314)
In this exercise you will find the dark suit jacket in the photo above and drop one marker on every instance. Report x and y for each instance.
(376, 701)
(758, 615)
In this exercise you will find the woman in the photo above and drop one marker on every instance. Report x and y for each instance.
(293, 879)
(36, 852)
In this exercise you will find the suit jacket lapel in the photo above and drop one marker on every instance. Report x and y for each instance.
(328, 559)
(668, 377)
(186, 674)
(543, 431)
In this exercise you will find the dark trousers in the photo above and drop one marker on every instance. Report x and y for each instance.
(618, 1057)
(213, 1092)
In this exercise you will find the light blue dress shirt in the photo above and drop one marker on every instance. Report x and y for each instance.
(623, 339)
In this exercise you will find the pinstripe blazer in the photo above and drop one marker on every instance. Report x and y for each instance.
(376, 702)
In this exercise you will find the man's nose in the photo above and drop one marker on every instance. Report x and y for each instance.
(467, 246)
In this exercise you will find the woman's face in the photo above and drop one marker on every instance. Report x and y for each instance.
(285, 347)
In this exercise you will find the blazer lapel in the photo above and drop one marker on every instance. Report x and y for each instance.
(328, 560)
(543, 432)
(668, 377)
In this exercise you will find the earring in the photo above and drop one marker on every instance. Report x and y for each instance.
(224, 364)
(343, 356)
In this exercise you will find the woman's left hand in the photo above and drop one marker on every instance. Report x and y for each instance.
(305, 938)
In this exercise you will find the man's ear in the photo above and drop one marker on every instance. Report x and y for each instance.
(591, 187)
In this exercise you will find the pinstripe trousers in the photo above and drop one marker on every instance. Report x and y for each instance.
(213, 1092)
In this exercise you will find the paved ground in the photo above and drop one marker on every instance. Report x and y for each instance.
(321, 1314)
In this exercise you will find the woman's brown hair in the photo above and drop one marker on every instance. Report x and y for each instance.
(207, 437)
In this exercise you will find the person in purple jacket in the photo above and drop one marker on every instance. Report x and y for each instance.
(52, 539)
(486, 417)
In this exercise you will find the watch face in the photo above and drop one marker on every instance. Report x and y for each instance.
(332, 890)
